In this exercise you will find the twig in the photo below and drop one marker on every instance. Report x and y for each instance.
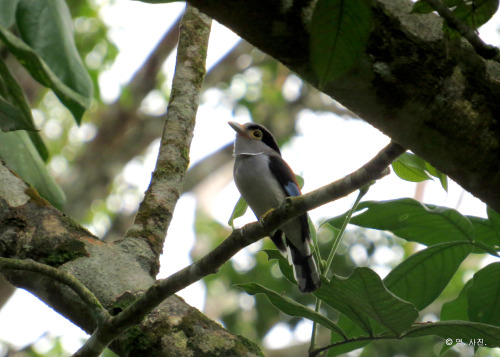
(98, 312)
(155, 211)
(484, 50)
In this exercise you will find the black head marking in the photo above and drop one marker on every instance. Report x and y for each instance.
(267, 137)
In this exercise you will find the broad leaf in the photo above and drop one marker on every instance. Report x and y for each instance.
(457, 309)
(17, 150)
(238, 211)
(12, 118)
(46, 27)
(15, 113)
(363, 295)
(8, 12)
(487, 231)
(422, 277)
(411, 168)
(290, 307)
(339, 33)
(285, 267)
(413, 221)
(40, 71)
(484, 295)
(461, 330)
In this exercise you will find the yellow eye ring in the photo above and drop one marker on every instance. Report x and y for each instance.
(257, 134)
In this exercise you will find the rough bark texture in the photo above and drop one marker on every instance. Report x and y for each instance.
(115, 272)
(432, 95)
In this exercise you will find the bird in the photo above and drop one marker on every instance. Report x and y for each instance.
(264, 180)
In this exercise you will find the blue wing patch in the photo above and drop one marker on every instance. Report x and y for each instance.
(292, 189)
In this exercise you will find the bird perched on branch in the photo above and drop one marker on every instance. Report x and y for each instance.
(264, 180)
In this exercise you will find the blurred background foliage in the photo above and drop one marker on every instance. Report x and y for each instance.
(88, 162)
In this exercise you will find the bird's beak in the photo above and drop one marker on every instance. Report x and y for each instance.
(240, 130)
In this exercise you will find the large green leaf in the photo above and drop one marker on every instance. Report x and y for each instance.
(457, 309)
(17, 150)
(239, 210)
(422, 277)
(290, 307)
(362, 295)
(413, 221)
(339, 33)
(487, 231)
(46, 26)
(19, 118)
(458, 330)
(7, 12)
(484, 295)
(40, 71)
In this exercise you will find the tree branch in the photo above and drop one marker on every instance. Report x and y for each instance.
(157, 207)
(98, 312)
(483, 49)
(239, 239)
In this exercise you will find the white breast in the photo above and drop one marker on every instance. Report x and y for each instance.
(256, 183)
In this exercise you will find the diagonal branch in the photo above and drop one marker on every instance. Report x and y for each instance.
(156, 210)
(241, 238)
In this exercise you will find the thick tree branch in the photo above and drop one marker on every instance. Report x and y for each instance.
(434, 95)
(156, 209)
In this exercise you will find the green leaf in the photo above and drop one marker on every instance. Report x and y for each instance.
(17, 150)
(12, 118)
(484, 295)
(413, 221)
(422, 277)
(40, 71)
(285, 267)
(339, 33)
(290, 307)
(238, 211)
(352, 331)
(13, 93)
(457, 309)
(487, 231)
(477, 12)
(464, 330)
(438, 174)
(46, 26)
(411, 168)
(362, 295)
(8, 12)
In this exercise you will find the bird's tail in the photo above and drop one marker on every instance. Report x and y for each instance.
(305, 270)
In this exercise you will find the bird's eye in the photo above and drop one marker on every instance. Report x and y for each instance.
(257, 134)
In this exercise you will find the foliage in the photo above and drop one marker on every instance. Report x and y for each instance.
(358, 306)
